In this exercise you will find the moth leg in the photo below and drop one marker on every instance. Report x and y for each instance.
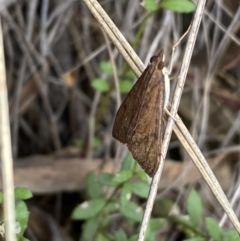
(174, 47)
(167, 71)
(167, 86)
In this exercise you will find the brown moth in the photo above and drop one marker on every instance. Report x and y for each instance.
(139, 120)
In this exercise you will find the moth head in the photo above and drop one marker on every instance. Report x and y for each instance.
(158, 60)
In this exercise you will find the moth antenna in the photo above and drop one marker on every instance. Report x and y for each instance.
(174, 47)
(166, 71)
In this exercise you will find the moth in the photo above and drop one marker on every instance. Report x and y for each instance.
(139, 120)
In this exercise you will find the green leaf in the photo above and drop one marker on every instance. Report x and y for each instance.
(22, 239)
(195, 239)
(122, 176)
(125, 86)
(106, 67)
(22, 215)
(155, 224)
(18, 229)
(133, 165)
(120, 235)
(180, 6)
(88, 209)
(143, 176)
(231, 235)
(90, 228)
(107, 179)
(130, 74)
(128, 162)
(22, 193)
(105, 222)
(125, 195)
(100, 84)
(132, 211)
(102, 237)
(96, 142)
(150, 235)
(163, 207)
(194, 207)
(1, 197)
(139, 188)
(111, 207)
(134, 238)
(150, 5)
(78, 142)
(93, 187)
(213, 229)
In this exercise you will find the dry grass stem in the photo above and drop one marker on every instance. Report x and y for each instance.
(6, 150)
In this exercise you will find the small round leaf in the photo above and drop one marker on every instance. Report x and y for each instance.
(88, 209)
(100, 84)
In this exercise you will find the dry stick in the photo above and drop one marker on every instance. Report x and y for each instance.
(185, 138)
(6, 150)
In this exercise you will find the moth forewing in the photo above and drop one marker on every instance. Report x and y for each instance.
(139, 120)
(129, 108)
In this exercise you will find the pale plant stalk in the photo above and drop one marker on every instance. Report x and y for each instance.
(6, 150)
(180, 129)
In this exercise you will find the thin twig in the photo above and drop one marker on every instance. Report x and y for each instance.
(6, 150)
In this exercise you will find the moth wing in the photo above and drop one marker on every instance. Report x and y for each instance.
(146, 135)
(129, 108)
